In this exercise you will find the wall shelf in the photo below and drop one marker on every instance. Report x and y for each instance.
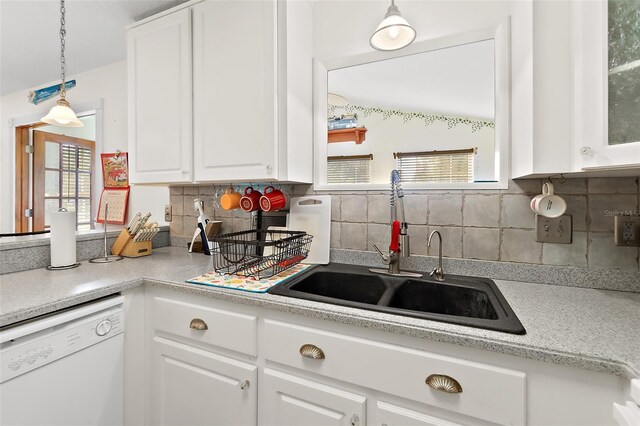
(356, 135)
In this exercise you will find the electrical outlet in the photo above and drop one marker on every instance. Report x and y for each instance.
(167, 213)
(554, 230)
(627, 231)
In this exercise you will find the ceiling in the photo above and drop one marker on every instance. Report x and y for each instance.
(457, 81)
(30, 44)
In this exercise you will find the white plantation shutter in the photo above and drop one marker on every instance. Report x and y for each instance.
(349, 169)
(76, 182)
(436, 166)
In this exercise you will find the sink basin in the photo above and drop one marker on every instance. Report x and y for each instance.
(344, 286)
(475, 302)
(446, 299)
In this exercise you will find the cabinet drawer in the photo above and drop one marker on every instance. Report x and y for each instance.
(490, 393)
(218, 327)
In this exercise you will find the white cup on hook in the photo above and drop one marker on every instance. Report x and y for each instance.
(548, 204)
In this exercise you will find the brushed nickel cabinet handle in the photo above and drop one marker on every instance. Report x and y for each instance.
(355, 420)
(311, 351)
(444, 383)
(198, 324)
(245, 385)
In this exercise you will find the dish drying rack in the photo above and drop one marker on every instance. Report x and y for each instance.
(259, 253)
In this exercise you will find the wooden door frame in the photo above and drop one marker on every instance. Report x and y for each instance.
(22, 178)
(91, 107)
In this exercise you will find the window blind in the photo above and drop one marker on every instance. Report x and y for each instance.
(76, 182)
(349, 169)
(436, 166)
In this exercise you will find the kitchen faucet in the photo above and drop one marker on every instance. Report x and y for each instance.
(437, 272)
(399, 246)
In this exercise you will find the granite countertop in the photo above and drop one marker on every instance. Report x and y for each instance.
(585, 328)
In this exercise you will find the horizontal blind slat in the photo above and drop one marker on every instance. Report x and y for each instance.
(436, 166)
(348, 170)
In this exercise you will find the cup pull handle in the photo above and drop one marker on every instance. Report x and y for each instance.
(311, 351)
(444, 383)
(198, 324)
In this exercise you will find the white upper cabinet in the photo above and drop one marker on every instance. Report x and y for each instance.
(607, 85)
(234, 90)
(251, 94)
(159, 74)
(575, 88)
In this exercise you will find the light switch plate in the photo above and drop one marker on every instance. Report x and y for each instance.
(168, 216)
(554, 230)
(627, 231)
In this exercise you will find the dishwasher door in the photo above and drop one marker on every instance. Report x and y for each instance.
(69, 373)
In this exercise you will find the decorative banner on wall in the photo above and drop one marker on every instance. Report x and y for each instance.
(41, 95)
(451, 122)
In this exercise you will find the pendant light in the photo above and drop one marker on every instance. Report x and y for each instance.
(62, 114)
(394, 32)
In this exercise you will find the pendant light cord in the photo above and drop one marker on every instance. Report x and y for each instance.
(63, 67)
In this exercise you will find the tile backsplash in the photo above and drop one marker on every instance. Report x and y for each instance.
(487, 225)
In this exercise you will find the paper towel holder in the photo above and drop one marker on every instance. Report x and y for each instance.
(106, 258)
(62, 268)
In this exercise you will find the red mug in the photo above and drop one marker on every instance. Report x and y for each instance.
(272, 200)
(250, 201)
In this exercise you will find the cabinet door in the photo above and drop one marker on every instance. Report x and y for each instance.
(393, 415)
(189, 386)
(234, 90)
(607, 85)
(291, 400)
(160, 111)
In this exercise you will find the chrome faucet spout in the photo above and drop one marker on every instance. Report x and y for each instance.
(437, 272)
(399, 246)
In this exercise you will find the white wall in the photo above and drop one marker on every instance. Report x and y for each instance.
(343, 27)
(109, 84)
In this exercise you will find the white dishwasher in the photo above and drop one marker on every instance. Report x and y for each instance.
(65, 368)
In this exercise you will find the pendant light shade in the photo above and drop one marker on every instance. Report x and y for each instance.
(394, 32)
(62, 114)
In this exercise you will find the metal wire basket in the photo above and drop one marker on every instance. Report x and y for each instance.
(259, 253)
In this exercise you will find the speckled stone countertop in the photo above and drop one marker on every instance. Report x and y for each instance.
(585, 328)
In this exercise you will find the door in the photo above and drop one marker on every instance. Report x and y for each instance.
(234, 90)
(393, 415)
(160, 101)
(62, 178)
(291, 400)
(190, 386)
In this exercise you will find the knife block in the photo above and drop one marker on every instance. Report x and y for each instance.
(125, 246)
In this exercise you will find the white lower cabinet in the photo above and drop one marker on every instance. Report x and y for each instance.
(190, 386)
(292, 400)
(212, 362)
(394, 415)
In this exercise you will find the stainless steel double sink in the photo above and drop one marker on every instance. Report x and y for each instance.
(475, 302)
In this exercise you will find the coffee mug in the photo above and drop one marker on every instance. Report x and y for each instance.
(272, 200)
(547, 204)
(250, 201)
(230, 199)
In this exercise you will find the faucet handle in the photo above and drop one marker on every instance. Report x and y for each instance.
(385, 257)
